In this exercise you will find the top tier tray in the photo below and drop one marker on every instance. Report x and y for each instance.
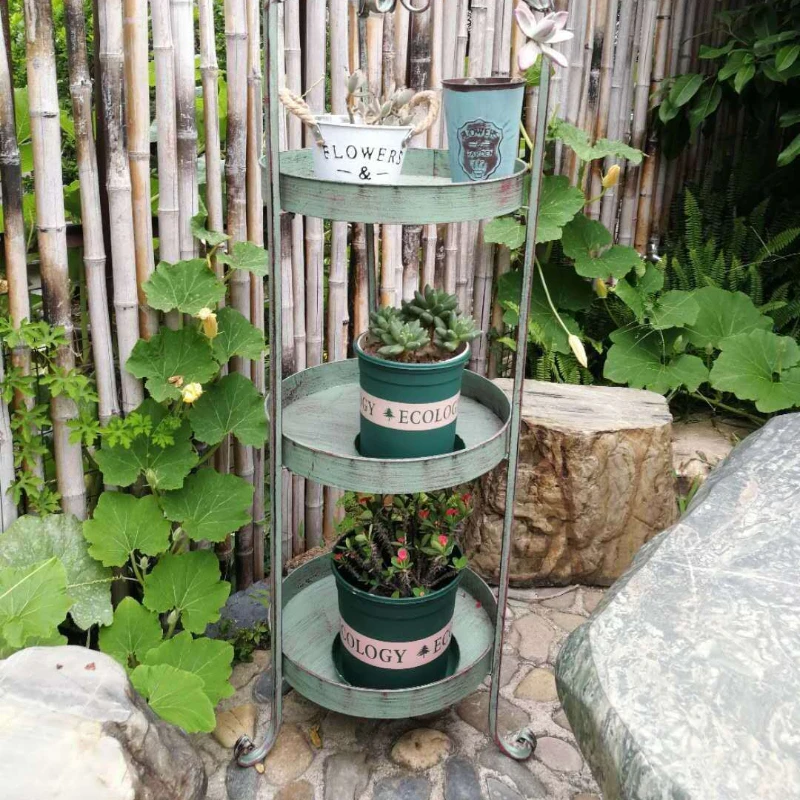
(424, 194)
(321, 421)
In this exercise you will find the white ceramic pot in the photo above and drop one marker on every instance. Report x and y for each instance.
(359, 153)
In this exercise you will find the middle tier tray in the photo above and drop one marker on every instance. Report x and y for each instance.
(424, 193)
(321, 421)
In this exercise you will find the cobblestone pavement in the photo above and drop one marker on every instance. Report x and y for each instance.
(322, 755)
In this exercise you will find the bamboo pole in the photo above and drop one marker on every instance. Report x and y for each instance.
(182, 17)
(588, 88)
(94, 251)
(391, 265)
(644, 70)
(620, 73)
(574, 82)
(137, 120)
(236, 45)
(8, 510)
(503, 266)
(315, 68)
(169, 248)
(255, 233)
(118, 188)
(14, 242)
(450, 29)
(52, 239)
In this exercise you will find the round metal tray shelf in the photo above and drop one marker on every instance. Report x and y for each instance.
(311, 623)
(321, 421)
(423, 195)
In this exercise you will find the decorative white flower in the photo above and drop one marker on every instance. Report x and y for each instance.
(540, 34)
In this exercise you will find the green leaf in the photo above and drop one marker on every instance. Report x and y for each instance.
(164, 467)
(743, 76)
(786, 56)
(210, 505)
(124, 524)
(673, 310)
(668, 111)
(705, 104)
(507, 231)
(234, 406)
(578, 140)
(184, 353)
(247, 256)
(237, 337)
(22, 115)
(209, 659)
(706, 51)
(189, 583)
(789, 118)
(558, 204)
(723, 314)
(758, 366)
(646, 360)
(31, 540)
(790, 153)
(735, 60)
(187, 286)
(176, 696)
(33, 602)
(133, 634)
(636, 292)
(587, 242)
(684, 89)
(199, 231)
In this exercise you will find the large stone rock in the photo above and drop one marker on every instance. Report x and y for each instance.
(595, 482)
(244, 610)
(684, 685)
(73, 728)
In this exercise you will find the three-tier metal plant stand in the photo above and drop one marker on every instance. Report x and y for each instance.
(314, 421)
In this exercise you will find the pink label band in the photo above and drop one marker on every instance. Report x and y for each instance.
(395, 655)
(409, 416)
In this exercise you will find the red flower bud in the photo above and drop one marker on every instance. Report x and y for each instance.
(401, 539)
(443, 540)
(402, 554)
(337, 556)
(466, 498)
(451, 512)
(424, 513)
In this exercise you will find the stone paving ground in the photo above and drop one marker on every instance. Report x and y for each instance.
(322, 755)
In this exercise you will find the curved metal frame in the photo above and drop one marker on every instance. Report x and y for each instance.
(523, 743)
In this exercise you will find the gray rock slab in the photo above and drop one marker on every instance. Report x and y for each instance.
(402, 789)
(684, 685)
(241, 784)
(525, 781)
(346, 776)
(73, 728)
(497, 790)
(243, 610)
(461, 780)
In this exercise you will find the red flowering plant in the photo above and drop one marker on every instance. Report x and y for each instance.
(401, 545)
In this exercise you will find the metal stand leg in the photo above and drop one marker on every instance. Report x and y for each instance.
(523, 743)
(372, 277)
(245, 751)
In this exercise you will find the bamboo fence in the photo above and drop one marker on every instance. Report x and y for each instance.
(621, 53)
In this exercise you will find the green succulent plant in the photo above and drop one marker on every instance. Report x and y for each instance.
(428, 326)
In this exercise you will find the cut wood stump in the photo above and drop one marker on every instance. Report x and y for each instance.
(595, 483)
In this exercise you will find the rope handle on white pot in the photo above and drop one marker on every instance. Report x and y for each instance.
(296, 105)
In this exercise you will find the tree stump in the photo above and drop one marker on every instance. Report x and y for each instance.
(595, 483)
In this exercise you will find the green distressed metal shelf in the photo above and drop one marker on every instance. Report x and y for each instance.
(321, 421)
(311, 622)
(424, 194)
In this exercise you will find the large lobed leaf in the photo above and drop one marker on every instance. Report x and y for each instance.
(233, 405)
(578, 140)
(246, 256)
(163, 467)
(186, 286)
(184, 354)
(210, 659)
(189, 584)
(760, 366)
(722, 314)
(637, 292)
(134, 632)
(648, 360)
(123, 525)
(588, 243)
(176, 696)
(210, 505)
(31, 540)
(558, 204)
(33, 603)
(236, 336)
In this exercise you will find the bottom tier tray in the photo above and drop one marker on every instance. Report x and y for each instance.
(311, 623)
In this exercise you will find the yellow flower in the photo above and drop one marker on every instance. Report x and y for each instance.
(611, 178)
(209, 320)
(578, 349)
(600, 287)
(191, 392)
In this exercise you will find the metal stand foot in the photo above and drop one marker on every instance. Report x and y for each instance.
(521, 746)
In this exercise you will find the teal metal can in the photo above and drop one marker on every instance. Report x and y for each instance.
(408, 410)
(483, 116)
(394, 643)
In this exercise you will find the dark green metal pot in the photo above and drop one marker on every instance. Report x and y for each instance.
(394, 643)
(408, 410)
